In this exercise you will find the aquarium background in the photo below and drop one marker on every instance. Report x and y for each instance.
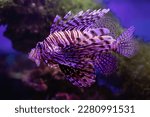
(25, 22)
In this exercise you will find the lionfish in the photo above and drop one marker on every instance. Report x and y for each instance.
(80, 48)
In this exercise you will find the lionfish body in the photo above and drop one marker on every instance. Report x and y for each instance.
(79, 47)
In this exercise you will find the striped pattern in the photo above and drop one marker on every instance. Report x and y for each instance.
(78, 44)
(73, 37)
(110, 23)
(35, 55)
(125, 43)
(83, 77)
(106, 63)
(82, 20)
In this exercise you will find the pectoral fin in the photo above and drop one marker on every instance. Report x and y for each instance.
(83, 77)
(106, 63)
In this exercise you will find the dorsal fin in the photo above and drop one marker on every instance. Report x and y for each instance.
(59, 22)
(95, 32)
(111, 24)
(92, 36)
(81, 21)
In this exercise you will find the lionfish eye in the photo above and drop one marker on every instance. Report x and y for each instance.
(39, 45)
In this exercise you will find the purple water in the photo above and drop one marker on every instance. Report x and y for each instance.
(129, 12)
(132, 12)
(5, 44)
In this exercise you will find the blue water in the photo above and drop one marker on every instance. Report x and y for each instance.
(132, 12)
(5, 44)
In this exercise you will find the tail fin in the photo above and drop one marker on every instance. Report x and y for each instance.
(126, 45)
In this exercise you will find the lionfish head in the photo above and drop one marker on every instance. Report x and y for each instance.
(36, 53)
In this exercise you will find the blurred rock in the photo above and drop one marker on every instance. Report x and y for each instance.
(28, 21)
(136, 74)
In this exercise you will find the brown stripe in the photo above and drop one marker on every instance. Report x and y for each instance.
(102, 46)
(72, 36)
(67, 36)
(77, 33)
(33, 53)
(107, 42)
(93, 40)
(106, 50)
(78, 39)
(80, 16)
(102, 32)
(63, 29)
(71, 28)
(97, 17)
(57, 39)
(85, 42)
(93, 33)
(82, 29)
(85, 35)
(46, 40)
(62, 38)
(45, 45)
(52, 39)
(68, 23)
(101, 38)
(76, 22)
(109, 46)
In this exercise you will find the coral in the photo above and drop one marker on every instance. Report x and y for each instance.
(28, 21)
(39, 78)
(44, 82)
(135, 72)
(130, 82)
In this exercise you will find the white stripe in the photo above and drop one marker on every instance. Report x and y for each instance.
(64, 37)
(75, 35)
(69, 34)
(51, 39)
(47, 46)
(60, 38)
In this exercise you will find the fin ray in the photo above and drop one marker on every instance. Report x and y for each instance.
(81, 21)
(106, 63)
(108, 22)
(126, 45)
(83, 77)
